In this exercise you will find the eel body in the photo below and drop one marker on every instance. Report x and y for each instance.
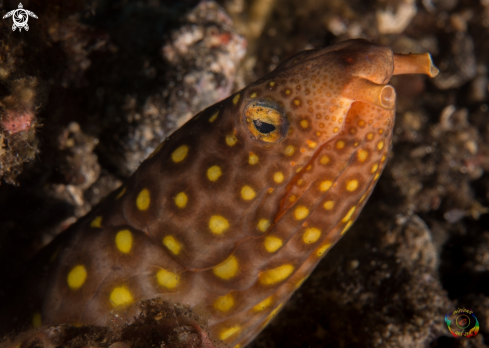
(232, 212)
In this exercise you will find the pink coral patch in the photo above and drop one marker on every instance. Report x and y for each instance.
(15, 121)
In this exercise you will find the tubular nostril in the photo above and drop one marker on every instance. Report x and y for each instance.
(367, 91)
(414, 64)
(388, 97)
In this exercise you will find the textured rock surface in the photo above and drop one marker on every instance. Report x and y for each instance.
(159, 324)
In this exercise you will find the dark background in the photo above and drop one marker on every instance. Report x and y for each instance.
(95, 86)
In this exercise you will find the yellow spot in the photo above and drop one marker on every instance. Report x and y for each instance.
(376, 176)
(142, 201)
(263, 304)
(380, 145)
(263, 225)
(77, 276)
(227, 269)
(304, 124)
(121, 296)
(213, 173)
(383, 159)
(300, 282)
(167, 279)
(236, 99)
(123, 241)
(272, 244)
(324, 160)
(224, 303)
(287, 91)
(172, 244)
(347, 227)
(97, 222)
(272, 84)
(231, 140)
(335, 130)
(253, 159)
(276, 275)
(218, 224)
(374, 168)
(349, 214)
(322, 249)
(247, 193)
(179, 154)
(181, 200)
(362, 155)
(311, 235)
(36, 320)
(370, 136)
(301, 212)
(352, 185)
(297, 102)
(292, 198)
(278, 177)
(300, 182)
(363, 197)
(328, 205)
(225, 334)
(340, 144)
(253, 95)
(361, 123)
(311, 144)
(289, 150)
(213, 117)
(325, 185)
(121, 193)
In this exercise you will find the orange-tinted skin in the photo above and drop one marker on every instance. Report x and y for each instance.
(330, 156)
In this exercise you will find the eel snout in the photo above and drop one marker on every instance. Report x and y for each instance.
(384, 95)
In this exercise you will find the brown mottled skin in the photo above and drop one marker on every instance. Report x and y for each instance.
(233, 212)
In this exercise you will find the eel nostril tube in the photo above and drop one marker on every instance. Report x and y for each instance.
(363, 90)
(414, 64)
(388, 97)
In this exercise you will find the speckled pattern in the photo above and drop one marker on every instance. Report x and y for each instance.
(232, 212)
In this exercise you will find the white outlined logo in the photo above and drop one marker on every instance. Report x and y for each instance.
(20, 17)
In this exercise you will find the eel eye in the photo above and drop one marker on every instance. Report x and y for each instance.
(265, 121)
(263, 127)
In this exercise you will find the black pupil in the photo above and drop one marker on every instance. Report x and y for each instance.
(263, 127)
